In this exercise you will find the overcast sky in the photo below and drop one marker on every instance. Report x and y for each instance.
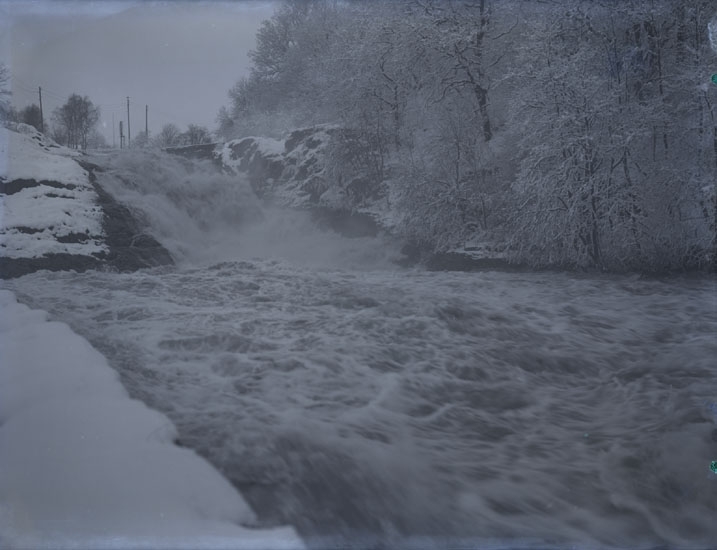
(178, 57)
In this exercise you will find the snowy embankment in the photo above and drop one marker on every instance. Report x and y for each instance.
(48, 203)
(54, 216)
(84, 465)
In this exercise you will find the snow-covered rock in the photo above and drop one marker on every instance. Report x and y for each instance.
(48, 203)
(82, 465)
(261, 159)
(53, 216)
(303, 170)
(292, 171)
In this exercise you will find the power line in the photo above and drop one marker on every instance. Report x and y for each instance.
(165, 113)
(110, 108)
(54, 94)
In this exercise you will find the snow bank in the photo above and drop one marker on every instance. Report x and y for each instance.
(84, 465)
(28, 154)
(42, 220)
(47, 203)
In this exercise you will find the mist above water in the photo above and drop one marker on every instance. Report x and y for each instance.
(203, 216)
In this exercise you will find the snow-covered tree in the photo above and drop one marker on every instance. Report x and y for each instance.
(608, 176)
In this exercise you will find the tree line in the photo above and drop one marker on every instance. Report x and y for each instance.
(74, 124)
(579, 134)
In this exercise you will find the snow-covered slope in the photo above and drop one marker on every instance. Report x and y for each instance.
(84, 466)
(48, 203)
(54, 216)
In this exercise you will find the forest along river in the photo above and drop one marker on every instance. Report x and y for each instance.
(374, 407)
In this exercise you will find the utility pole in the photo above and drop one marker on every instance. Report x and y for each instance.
(146, 113)
(121, 136)
(42, 120)
(128, 130)
(114, 143)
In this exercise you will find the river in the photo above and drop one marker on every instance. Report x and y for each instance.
(371, 405)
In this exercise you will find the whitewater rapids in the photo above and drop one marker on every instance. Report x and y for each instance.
(368, 405)
(406, 404)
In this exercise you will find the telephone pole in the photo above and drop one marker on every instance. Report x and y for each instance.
(114, 143)
(146, 114)
(121, 136)
(128, 130)
(42, 120)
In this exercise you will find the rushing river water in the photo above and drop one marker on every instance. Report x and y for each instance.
(400, 403)
(373, 405)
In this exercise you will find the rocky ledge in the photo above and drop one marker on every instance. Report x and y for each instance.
(56, 217)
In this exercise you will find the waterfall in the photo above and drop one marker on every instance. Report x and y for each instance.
(204, 216)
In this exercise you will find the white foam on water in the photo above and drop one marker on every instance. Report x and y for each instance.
(203, 216)
(390, 405)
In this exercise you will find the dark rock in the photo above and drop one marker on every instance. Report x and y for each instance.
(130, 248)
(27, 230)
(17, 267)
(240, 148)
(260, 169)
(296, 137)
(73, 238)
(204, 151)
(15, 186)
(312, 143)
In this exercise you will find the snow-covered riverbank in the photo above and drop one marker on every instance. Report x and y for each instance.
(48, 203)
(82, 465)
(54, 216)
(425, 409)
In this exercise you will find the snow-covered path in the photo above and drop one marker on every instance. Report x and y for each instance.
(83, 465)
